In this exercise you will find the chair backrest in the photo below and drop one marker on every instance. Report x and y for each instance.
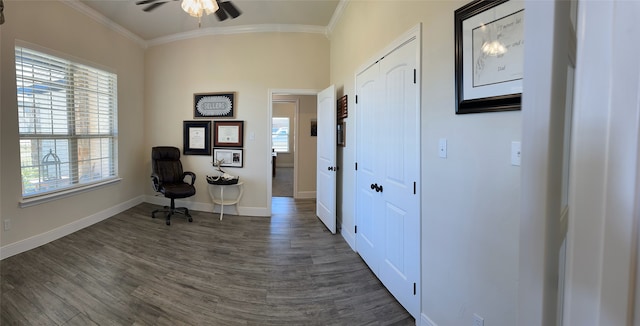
(165, 162)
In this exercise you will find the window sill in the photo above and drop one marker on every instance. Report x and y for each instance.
(39, 199)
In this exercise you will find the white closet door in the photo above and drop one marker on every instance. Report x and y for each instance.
(388, 158)
(368, 130)
(400, 154)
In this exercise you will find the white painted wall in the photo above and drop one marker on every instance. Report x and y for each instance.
(471, 200)
(56, 26)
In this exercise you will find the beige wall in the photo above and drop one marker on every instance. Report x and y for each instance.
(56, 26)
(248, 64)
(470, 200)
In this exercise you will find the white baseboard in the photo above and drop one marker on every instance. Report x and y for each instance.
(59, 232)
(305, 195)
(208, 207)
(426, 321)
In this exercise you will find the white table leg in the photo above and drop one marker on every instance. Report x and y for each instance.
(221, 205)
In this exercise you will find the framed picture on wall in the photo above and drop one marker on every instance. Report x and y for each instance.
(228, 133)
(341, 137)
(214, 105)
(489, 56)
(230, 157)
(196, 138)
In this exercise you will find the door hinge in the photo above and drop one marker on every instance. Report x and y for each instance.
(414, 75)
(414, 288)
(356, 166)
(355, 229)
(356, 99)
(414, 187)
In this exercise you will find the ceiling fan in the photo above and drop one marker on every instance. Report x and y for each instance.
(226, 8)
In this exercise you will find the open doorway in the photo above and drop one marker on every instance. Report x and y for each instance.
(283, 126)
(293, 146)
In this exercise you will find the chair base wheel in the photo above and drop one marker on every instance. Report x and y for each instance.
(168, 222)
(190, 219)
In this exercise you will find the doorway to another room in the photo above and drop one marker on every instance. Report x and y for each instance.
(293, 145)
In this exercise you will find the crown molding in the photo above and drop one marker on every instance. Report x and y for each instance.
(337, 14)
(100, 18)
(265, 28)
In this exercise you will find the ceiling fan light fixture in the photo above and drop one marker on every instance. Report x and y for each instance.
(195, 8)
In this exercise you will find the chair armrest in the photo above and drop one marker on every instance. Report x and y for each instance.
(155, 182)
(191, 174)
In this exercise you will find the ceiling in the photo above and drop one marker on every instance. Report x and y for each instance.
(169, 21)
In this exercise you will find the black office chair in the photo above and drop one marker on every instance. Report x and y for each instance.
(168, 179)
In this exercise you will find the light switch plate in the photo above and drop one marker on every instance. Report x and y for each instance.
(442, 147)
(516, 153)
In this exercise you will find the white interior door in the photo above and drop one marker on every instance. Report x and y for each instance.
(388, 169)
(400, 146)
(368, 233)
(326, 159)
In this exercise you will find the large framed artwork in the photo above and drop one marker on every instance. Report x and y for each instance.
(196, 138)
(489, 52)
(214, 105)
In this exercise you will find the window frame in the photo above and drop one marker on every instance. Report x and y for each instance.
(73, 136)
(288, 151)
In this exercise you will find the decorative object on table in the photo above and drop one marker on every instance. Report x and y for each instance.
(223, 178)
(489, 52)
(228, 133)
(343, 112)
(214, 105)
(229, 157)
(196, 138)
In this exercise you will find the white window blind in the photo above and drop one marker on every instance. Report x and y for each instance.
(67, 117)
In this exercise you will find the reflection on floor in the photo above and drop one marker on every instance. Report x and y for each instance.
(282, 185)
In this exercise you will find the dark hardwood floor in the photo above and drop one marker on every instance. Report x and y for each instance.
(134, 270)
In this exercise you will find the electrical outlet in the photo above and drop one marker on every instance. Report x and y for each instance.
(7, 224)
(477, 320)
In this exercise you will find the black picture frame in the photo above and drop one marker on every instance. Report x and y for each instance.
(196, 138)
(214, 105)
(501, 89)
(233, 157)
(228, 134)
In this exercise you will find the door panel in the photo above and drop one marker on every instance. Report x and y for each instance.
(401, 267)
(368, 234)
(326, 159)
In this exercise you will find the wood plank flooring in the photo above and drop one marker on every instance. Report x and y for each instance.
(134, 270)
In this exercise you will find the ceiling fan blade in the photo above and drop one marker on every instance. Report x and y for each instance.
(144, 2)
(221, 14)
(230, 8)
(154, 6)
